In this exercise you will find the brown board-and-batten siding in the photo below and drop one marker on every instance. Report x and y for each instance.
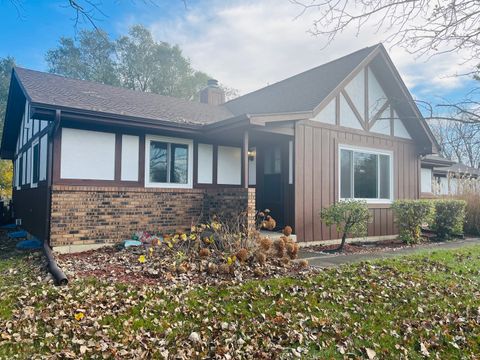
(317, 176)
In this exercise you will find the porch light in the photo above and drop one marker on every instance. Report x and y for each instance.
(252, 154)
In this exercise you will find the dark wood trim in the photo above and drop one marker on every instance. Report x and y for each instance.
(353, 131)
(118, 157)
(57, 151)
(215, 164)
(32, 139)
(195, 163)
(106, 183)
(141, 161)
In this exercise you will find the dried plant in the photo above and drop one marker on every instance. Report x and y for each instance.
(242, 255)
(261, 257)
(303, 263)
(292, 250)
(280, 247)
(287, 230)
(204, 252)
(265, 243)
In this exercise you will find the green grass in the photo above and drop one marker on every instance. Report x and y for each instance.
(427, 305)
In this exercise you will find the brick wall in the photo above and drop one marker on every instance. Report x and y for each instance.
(87, 215)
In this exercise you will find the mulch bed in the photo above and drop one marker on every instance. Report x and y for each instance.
(160, 268)
(369, 247)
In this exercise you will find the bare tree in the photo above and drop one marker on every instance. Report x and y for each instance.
(84, 11)
(421, 26)
(459, 141)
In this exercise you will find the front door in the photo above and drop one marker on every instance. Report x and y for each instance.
(273, 183)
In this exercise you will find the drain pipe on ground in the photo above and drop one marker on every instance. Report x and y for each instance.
(57, 273)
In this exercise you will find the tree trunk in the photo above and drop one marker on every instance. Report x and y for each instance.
(342, 244)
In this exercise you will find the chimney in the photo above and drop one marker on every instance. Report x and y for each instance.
(212, 94)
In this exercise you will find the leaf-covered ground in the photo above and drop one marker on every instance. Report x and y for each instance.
(425, 306)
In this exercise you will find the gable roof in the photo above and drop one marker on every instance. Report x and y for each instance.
(59, 91)
(302, 92)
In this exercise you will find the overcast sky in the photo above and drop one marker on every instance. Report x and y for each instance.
(244, 44)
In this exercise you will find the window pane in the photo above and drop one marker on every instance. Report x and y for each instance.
(36, 166)
(346, 174)
(179, 164)
(365, 175)
(158, 162)
(384, 176)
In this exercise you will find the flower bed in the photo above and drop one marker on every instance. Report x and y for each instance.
(211, 253)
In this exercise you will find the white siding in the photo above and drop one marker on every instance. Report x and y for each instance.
(36, 126)
(356, 91)
(426, 180)
(327, 114)
(399, 128)
(87, 155)
(29, 166)
(229, 170)
(43, 157)
(376, 95)
(130, 157)
(205, 164)
(382, 125)
(24, 173)
(347, 116)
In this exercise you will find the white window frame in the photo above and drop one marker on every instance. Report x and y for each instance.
(367, 151)
(188, 142)
(35, 142)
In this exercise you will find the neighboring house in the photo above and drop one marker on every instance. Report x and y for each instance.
(429, 165)
(93, 163)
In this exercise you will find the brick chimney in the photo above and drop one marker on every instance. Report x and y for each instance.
(212, 94)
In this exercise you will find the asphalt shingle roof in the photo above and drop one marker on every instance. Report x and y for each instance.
(302, 92)
(50, 89)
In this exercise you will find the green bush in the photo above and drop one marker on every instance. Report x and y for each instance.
(349, 216)
(449, 218)
(410, 215)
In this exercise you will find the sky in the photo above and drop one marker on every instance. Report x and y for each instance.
(245, 44)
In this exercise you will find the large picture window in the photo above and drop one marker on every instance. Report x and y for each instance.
(168, 162)
(365, 174)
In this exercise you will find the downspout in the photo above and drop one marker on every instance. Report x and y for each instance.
(57, 273)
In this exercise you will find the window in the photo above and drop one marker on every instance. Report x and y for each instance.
(365, 174)
(168, 162)
(35, 163)
(273, 161)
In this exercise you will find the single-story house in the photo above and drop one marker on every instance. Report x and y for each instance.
(94, 163)
(441, 176)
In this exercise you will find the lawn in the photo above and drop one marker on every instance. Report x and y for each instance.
(424, 306)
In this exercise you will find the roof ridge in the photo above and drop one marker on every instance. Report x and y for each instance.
(148, 93)
(372, 48)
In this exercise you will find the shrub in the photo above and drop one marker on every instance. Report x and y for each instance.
(449, 218)
(350, 217)
(410, 215)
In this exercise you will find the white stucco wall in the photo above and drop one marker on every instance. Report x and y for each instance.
(205, 164)
(130, 157)
(87, 155)
(229, 165)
